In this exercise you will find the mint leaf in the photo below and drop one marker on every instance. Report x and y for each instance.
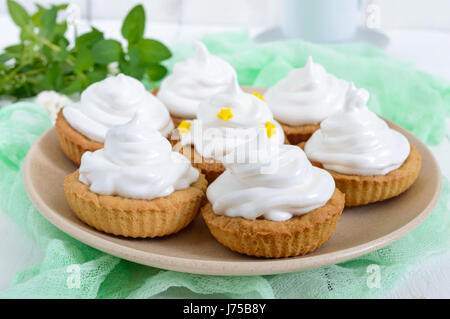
(74, 87)
(133, 56)
(84, 60)
(61, 6)
(53, 77)
(36, 18)
(18, 14)
(134, 25)
(106, 51)
(88, 39)
(15, 50)
(47, 53)
(48, 22)
(41, 58)
(132, 67)
(156, 72)
(5, 57)
(61, 28)
(96, 76)
(124, 66)
(152, 51)
(62, 55)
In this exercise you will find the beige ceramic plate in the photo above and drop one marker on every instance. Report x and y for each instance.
(194, 250)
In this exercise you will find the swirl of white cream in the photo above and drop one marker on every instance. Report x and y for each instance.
(214, 137)
(356, 141)
(292, 187)
(136, 162)
(52, 102)
(307, 95)
(113, 102)
(193, 81)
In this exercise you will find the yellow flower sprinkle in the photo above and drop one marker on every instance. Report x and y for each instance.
(184, 127)
(270, 128)
(259, 96)
(225, 114)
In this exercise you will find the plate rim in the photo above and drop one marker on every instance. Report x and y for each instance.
(227, 268)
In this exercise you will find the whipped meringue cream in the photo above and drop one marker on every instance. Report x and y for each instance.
(229, 119)
(356, 141)
(113, 102)
(307, 95)
(136, 162)
(193, 81)
(52, 102)
(292, 187)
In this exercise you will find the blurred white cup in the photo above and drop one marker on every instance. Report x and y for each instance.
(321, 20)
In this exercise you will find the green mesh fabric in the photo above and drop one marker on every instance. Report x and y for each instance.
(412, 98)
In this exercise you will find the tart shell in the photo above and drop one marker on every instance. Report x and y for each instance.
(297, 134)
(361, 190)
(271, 239)
(137, 218)
(72, 142)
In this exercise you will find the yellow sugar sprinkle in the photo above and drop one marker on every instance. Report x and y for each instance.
(225, 114)
(270, 128)
(259, 96)
(184, 127)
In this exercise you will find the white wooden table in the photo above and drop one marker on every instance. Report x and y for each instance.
(429, 50)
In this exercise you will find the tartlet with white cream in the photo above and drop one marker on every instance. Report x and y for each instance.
(193, 81)
(225, 122)
(82, 126)
(368, 160)
(304, 98)
(277, 206)
(135, 186)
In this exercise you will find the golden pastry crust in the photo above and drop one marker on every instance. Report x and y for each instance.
(265, 238)
(297, 134)
(72, 142)
(176, 120)
(135, 218)
(302, 145)
(210, 168)
(362, 190)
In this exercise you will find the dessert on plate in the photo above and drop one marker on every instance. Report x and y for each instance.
(135, 186)
(192, 81)
(278, 206)
(225, 121)
(369, 161)
(304, 98)
(82, 126)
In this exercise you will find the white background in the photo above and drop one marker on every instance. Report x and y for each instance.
(433, 14)
(418, 30)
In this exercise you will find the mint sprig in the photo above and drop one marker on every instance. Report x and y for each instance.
(44, 60)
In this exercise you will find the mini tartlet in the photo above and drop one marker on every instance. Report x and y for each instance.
(277, 208)
(136, 186)
(82, 126)
(228, 120)
(193, 81)
(369, 161)
(304, 98)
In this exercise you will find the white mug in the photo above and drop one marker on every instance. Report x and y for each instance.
(321, 20)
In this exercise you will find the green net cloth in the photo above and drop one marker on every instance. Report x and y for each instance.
(414, 99)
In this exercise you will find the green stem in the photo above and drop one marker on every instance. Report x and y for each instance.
(35, 71)
(55, 48)
(52, 46)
